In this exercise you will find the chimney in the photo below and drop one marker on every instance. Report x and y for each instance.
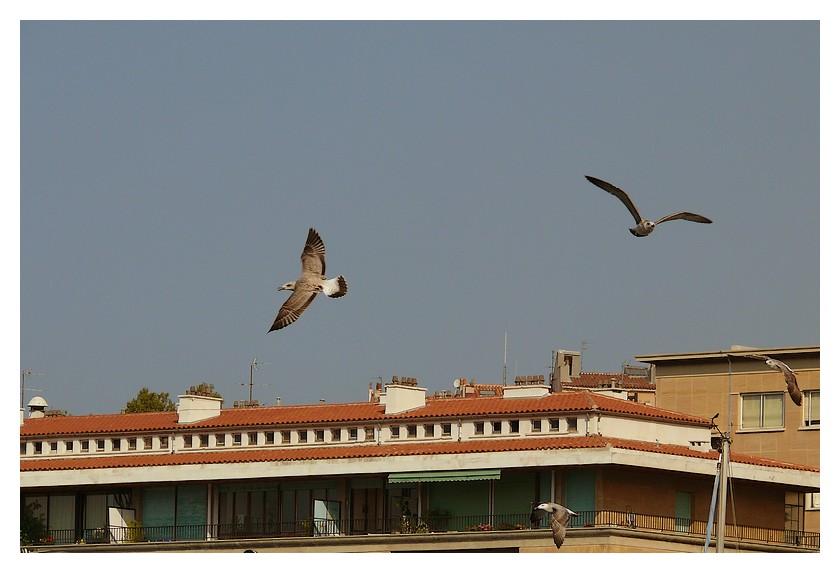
(400, 397)
(37, 407)
(566, 367)
(195, 408)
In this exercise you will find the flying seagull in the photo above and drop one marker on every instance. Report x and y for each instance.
(644, 227)
(312, 281)
(790, 377)
(559, 518)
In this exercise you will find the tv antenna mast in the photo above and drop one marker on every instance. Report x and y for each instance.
(254, 364)
(24, 374)
(504, 364)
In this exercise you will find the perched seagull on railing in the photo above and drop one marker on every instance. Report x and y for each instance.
(644, 227)
(312, 281)
(790, 377)
(559, 518)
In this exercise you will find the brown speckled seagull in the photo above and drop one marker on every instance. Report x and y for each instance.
(644, 227)
(559, 518)
(312, 281)
(790, 377)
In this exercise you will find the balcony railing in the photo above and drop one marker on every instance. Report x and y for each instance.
(427, 524)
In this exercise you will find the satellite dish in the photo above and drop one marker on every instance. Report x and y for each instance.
(456, 383)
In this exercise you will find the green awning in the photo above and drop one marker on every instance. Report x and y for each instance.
(458, 475)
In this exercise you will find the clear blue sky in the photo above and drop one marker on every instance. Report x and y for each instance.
(169, 172)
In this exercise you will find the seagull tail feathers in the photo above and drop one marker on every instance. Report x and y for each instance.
(335, 288)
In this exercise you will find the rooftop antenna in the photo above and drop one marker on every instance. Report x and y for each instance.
(254, 364)
(24, 374)
(504, 364)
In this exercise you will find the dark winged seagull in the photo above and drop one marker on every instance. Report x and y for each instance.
(644, 227)
(790, 377)
(559, 518)
(312, 281)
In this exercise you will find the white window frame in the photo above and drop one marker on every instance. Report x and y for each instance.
(762, 424)
(806, 409)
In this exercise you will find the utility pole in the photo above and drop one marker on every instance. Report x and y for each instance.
(724, 476)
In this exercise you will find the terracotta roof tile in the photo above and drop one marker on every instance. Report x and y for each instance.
(374, 451)
(601, 379)
(570, 401)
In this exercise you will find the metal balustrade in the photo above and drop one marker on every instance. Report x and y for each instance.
(428, 524)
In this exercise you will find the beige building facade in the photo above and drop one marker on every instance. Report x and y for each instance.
(750, 400)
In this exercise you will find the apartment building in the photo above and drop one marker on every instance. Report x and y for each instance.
(751, 401)
(404, 471)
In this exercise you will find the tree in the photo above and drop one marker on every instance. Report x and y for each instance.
(147, 401)
(32, 526)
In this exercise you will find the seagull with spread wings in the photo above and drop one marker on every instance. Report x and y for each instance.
(312, 281)
(644, 227)
(559, 519)
(790, 377)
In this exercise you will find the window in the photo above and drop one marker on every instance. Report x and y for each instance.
(554, 424)
(536, 425)
(39, 447)
(23, 448)
(571, 425)
(811, 408)
(497, 427)
(132, 443)
(478, 428)
(285, 437)
(68, 446)
(395, 432)
(794, 511)
(446, 429)
(85, 445)
(762, 410)
(188, 442)
(353, 434)
(303, 436)
(412, 430)
(319, 435)
(369, 434)
(237, 439)
(100, 445)
(115, 444)
(514, 426)
(147, 443)
(204, 441)
(252, 438)
(53, 447)
(220, 440)
(269, 438)
(164, 442)
(429, 430)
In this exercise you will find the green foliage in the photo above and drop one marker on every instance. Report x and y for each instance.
(32, 528)
(147, 401)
